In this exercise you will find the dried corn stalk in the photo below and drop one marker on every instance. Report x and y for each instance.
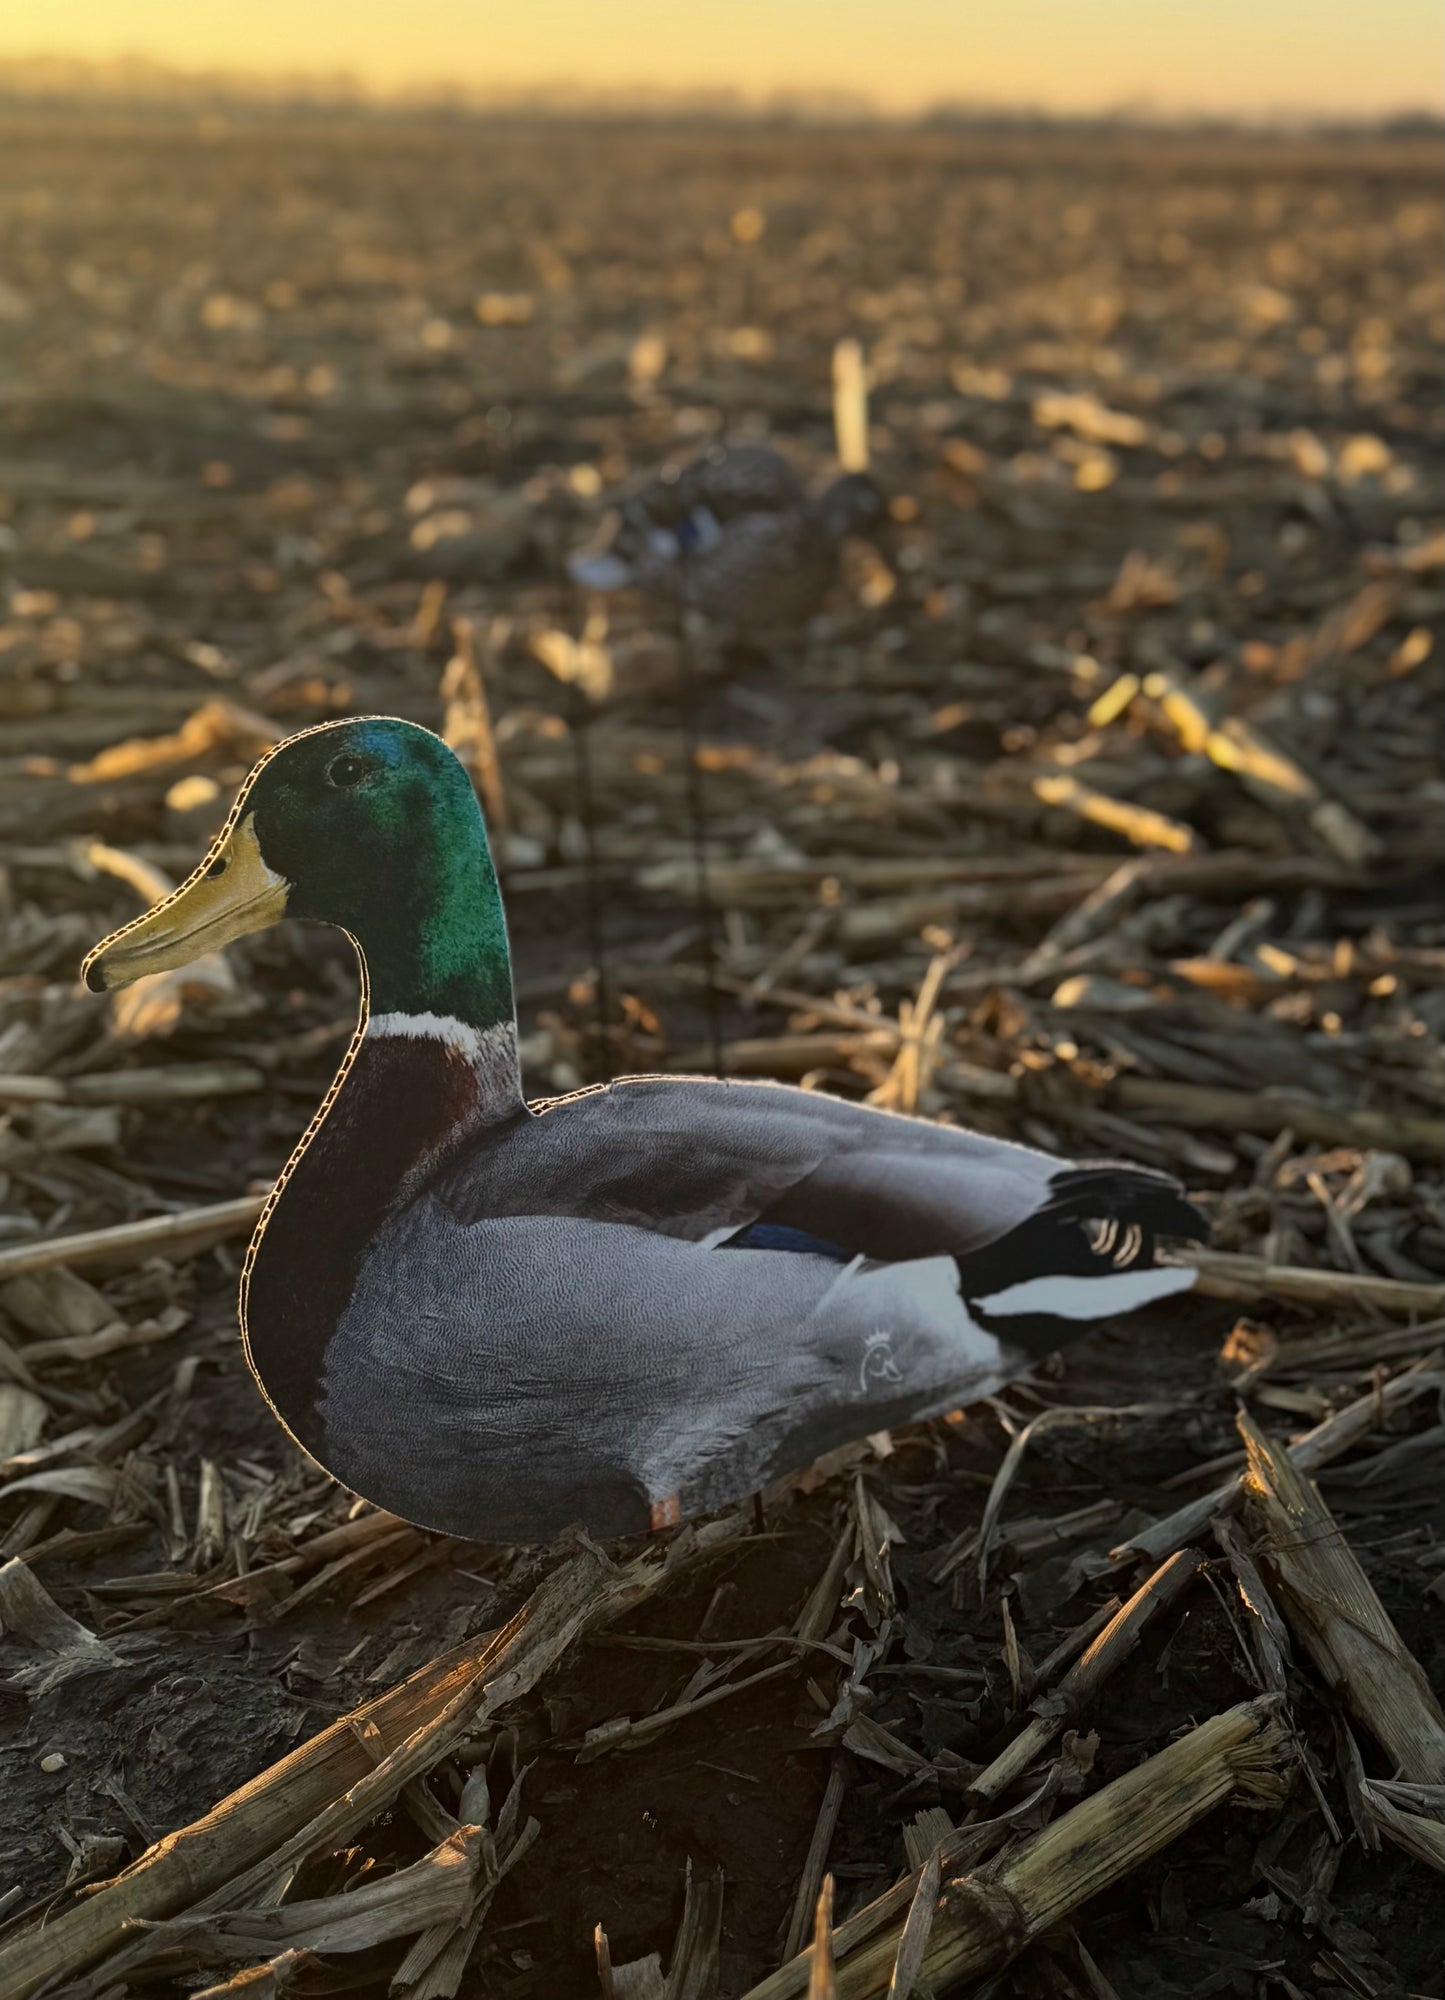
(1332, 1607)
(982, 1921)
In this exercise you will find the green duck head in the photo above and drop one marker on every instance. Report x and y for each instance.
(370, 825)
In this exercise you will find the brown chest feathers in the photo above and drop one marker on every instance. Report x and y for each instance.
(403, 1105)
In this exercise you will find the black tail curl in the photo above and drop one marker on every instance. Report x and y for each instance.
(1097, 1219)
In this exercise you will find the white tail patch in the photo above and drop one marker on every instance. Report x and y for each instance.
(603, 571)
(1087, 1298)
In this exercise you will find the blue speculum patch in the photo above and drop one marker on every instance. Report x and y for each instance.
(778, 1236)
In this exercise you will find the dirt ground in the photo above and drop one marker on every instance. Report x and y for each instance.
(297, 407)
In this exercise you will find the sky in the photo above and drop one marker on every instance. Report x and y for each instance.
(1248, 56)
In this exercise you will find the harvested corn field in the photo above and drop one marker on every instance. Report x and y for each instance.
(1096, 805)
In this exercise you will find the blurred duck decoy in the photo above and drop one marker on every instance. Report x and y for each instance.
(621, 1307)
(734, 535)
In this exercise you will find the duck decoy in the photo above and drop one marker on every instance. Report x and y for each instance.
(725, 479)
(624, 1306)
(734, 535)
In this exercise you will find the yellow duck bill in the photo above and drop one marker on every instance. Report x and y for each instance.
(232, 893)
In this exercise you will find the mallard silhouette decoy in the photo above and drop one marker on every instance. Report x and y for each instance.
(621, 1307)
(734, 535)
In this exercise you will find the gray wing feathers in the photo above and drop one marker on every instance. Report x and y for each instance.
(696, 1158)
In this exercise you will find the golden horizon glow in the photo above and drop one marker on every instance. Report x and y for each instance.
(1251, 57)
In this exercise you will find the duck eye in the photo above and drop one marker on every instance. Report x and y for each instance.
(219, 866)
(343, 771)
